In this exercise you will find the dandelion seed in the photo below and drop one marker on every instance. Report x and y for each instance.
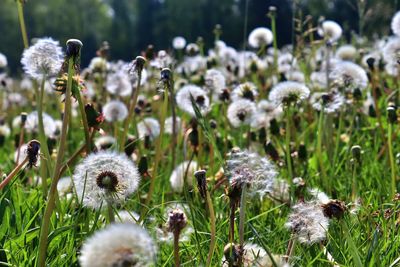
(45, 57)
(181, 172)
(149, 127)
(183, 99)
(260, 37)
(308, 223)
(107, 176)
(288, 92)
(115, 110)
(240, 112)
(121, 244)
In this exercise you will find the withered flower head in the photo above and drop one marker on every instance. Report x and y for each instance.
(176, 221)
(77, 85)
(32, 152)
(334, 209)
(201, 182)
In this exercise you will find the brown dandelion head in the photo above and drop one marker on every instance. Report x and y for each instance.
(107, 180)
(334, 209)
(32, 152)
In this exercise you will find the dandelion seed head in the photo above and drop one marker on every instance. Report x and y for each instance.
(330, 102)
(120, 244)
(330, 30)
(395, 24)
(346, 52)
(180, 172)
(308, 222)
(115, 110)
(105, 176)
(260, 37)
(32, 124)
(169, 125)
(240, 112)
(245, 91)
(118, 83)
(287, 92)
(214, 80)
(104, 142)
(4, 130)
(98, 64)
(349, 75)
(45, 57)
(179, 43)
(149, 127)
(3, 61)
(200, 97)
(64, 186)
(23, 153)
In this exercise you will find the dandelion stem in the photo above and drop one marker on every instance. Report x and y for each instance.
(164, 110)
(212, 228)
(319, 147)
(56, 174)
(391, 159)
(287, 135)
(275, 41)
(13, 173)
(242, 217)
(291, 247)
(176, 248)
(110, 212)
(84, 122)
(21, 19)
(132, 105)
(20, 142)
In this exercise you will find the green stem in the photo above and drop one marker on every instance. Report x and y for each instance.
(212, 228)
(319, 147)
(56, 174)
(157, 158)
(21, 19)
(110, 211)
(176, 249)
(84, 122)
(132, 105)
(275, 42)
(287, 135)
(391, 159)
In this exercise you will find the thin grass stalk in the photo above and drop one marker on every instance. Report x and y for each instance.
(21, 19)
(212, 228)
(41, 262)
(13, 173)
(287, 141)
(157, 158)
(274, 41)
(20, 142)
(319, 147)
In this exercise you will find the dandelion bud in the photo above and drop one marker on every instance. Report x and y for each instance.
(166, 75)
(24, 116)
(201, 182)
(274, 127)
(272, 11)
(334, 209)
(139, 63)
(73, 47)
(370, 63)
(143, 166)
(356, 151)
(94, 118)
(176, 221)
(391, 114)
(32, 152)
(271, 151)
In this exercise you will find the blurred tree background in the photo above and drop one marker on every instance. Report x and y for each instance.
(130, 25)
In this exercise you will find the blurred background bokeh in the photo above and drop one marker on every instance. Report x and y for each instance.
(130, 25)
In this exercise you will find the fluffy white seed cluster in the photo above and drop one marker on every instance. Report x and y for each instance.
(45, 57)
(149, 127)
(183, 99)
(88, 175)
(118, 83)
(122, 244)
(179, 43)
(245, 91)
(185, 169)
(240, 112)
(3, 61)
(395, 25)
(331, 102)
(246, 168)
(349, 75)
(32, 124)
(330, 30)
(115, 110)
(288, 91)
(308, 222)
(260, 37)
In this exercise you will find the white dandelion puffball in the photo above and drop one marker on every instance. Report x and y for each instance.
(64, 186)
(119, 84)
(120, 244)
(240, 112)
(330, 30)
(115, 110)
(149, 127)
(3, 61)
(286, 92)
(308, 222)
(346, 52)
(32, 124)
(245, 90)
(105, 175)
(179, 43)
(168, 126)
(45, 57)
(395, 25)
(183, 99)
(98, 64)
(4, 130)
(105, 142)
(260, 37)
(349, 74)
(330, 102)
(214, 80)
(180, 172)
